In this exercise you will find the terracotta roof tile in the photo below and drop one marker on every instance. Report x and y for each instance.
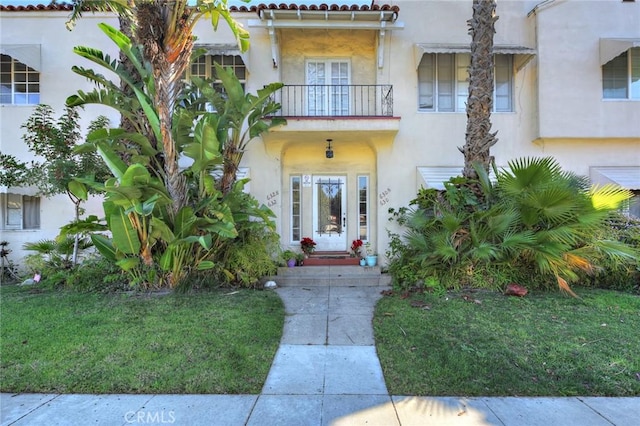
(325, 6)
(64, 7)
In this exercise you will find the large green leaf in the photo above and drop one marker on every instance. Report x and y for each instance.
(206, 241)
(79, 190)
(166, 260)
(205, 147)
(223, 229)
(105, 97)
(113, 135)
(124, 196)
(112, 159)
(160, 230)
(183, 224)
(134, 55)
(104, 246)
(128, 263)
(125, 237)
(136, 174)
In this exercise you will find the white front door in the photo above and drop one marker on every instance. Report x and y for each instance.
(330, 213)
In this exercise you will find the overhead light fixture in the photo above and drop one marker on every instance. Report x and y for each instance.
(329, 152)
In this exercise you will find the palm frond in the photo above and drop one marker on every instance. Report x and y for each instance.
(564, 286)
(119, 7)
(574, 260)
(553, 204)
(608, 197)
(41, 246)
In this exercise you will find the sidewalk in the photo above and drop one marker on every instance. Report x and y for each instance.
(326, 372)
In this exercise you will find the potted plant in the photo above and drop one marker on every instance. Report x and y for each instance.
(307, 245)
(290, 258)
(299, 259)
(371, 256)
(356, 245)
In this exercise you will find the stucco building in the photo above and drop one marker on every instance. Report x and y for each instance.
(374, 97)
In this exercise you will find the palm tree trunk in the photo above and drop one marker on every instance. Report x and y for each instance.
(169, 51)
(479, 138)
(232, 158)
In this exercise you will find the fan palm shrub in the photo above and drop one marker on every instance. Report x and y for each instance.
(54, 254)
(565, 216)
(536, 220)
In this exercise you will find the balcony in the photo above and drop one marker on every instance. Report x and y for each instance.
(335, 101)
(348, 114)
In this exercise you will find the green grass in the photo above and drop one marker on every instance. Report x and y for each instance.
(210, 342)
(542, 344)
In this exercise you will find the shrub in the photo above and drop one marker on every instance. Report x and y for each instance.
(94, 274)
(242, 261)
(611, 274)
(538, 225)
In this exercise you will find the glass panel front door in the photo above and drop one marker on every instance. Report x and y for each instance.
(330, 213)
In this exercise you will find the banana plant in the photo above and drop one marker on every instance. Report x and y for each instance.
(242, 117)
(132, 196)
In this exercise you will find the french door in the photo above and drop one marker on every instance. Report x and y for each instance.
(330, 213)
(328, 88)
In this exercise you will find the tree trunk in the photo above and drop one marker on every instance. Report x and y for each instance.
(169, 51)
(232, 158)
(479, 138)
(76, 237)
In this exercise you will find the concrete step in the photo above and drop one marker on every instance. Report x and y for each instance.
(334, 275)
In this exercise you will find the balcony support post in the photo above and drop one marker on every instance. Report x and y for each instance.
(275, 50)
(381, 44)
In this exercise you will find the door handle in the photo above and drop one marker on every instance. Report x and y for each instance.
(344, 221)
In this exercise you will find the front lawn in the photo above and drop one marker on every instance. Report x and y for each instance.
(209, 342)
(484, 343)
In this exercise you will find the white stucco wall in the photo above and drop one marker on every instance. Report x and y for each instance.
(570, 74)
(558, 106)
(57, 82)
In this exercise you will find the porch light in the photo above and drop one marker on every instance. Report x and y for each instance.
(329, 152)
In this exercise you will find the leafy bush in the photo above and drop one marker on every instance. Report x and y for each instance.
(621, 276)
(249, 257)
(94, 274)
(537, 225)
(54, 254)
(243, 260)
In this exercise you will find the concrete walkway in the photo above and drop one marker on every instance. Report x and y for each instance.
(326, 372)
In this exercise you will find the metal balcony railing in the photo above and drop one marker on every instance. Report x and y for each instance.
(353, 100)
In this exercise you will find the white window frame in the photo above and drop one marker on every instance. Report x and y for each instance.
(434, 84)
(327, 105)
(205, 62)
(20, 84)
(13, 212)
(632, 66)
(364, 201)
(296, 200)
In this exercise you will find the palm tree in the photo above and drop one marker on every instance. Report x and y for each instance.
(479, 138)
(164, 29)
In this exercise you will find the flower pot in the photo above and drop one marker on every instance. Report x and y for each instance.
(291, 263)
(372, 260)
(363, 262)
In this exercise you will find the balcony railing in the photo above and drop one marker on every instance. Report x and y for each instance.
(354, 100)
